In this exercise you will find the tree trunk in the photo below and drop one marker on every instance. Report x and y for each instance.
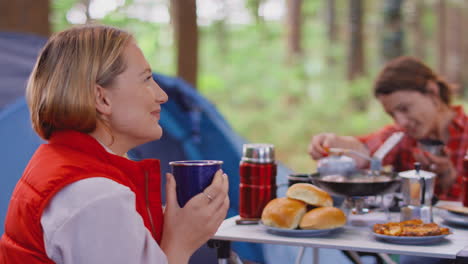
(441, 37)
(454, 62)
(331, 21)
(356, 49)
(87, 3)
(464, 88)
(331, 30)
(186, 38)
(294, 23)
(392, 41)
(254, 6)
(25, 16)
(418, 42)
(220, 29)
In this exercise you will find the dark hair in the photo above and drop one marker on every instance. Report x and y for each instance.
(410, 74)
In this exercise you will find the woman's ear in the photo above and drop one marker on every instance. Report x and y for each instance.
(103, 105)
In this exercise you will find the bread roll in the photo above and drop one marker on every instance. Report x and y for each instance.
(323, 218)
(310, 194)
(283, 213)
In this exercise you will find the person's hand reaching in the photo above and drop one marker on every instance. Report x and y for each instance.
(188, 228)
(442, 166)
(319, 144)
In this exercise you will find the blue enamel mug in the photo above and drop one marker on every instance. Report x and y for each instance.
(192, 177)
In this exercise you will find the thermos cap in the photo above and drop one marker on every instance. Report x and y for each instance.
(258, 153)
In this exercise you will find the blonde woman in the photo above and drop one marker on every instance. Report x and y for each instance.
(92, 97)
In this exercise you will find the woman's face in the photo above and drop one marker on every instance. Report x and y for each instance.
(135, 101)
(415, 112)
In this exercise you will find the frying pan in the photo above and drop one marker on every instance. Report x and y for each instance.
(359, 184)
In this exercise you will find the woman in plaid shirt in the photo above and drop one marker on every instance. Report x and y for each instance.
(418, 100)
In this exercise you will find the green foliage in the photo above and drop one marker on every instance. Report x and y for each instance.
(262, 97)
(59, 12)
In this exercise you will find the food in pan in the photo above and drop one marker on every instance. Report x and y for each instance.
(363, 179)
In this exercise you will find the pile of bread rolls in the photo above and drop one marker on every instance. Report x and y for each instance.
(292, 211)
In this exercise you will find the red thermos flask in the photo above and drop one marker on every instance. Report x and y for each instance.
(257, 179)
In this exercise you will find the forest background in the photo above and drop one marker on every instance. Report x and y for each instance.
(279, 71)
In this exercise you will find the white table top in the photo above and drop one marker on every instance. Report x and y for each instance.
(349, 238)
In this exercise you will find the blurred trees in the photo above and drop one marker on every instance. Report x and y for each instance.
(184, 18)
(452, 51)
(332, 28)
(441, 34)
(454, 38)
(235, 54)
(392, 34)
(254, 8)
(417, 32)
(293, 29)
(356, 65)
(25, 16)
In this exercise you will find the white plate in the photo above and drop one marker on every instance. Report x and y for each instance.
(298, 232)
(454, 218)
(410, 240)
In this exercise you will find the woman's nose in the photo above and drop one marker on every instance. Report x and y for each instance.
(401, 120)
(161, 95)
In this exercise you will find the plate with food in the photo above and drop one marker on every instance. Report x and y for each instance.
(460, 210)
(454, 218)
(292, 215)
(411, 240)
(410, 232)
(298, 232)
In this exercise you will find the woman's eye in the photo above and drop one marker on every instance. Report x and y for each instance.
(403, 109)
(149, 78)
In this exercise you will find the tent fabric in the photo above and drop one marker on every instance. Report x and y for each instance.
(18, 54)
(193, 129)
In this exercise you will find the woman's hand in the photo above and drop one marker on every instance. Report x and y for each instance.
(320, 143)
(441, 165)
(188, 228)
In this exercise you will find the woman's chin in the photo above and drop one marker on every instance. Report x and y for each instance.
(158, 133)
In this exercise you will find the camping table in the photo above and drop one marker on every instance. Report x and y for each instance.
(351, 238)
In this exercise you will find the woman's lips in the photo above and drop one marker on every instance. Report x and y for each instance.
(156, 113)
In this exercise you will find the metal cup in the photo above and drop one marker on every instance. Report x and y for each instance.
(433, 146)
(193, 176)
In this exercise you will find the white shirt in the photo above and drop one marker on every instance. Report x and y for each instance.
(95, 221)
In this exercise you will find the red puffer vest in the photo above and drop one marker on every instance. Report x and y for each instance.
(69, 157)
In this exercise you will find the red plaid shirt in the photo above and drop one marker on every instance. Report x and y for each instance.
(401, 156)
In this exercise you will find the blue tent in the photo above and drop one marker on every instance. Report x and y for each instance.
(193, 129)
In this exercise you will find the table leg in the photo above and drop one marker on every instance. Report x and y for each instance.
(462, 257)
(316, 255)
(299, 255)
(223, 249)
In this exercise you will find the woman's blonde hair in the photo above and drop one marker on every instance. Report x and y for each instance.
(61, 88)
